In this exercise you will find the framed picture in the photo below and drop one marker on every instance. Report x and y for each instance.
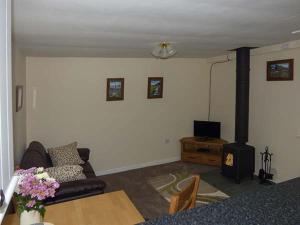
(280, 70)
(115, 89)
(155, 87)
(19, 97)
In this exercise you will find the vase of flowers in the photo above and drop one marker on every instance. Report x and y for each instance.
(33, 187)
(30, 217)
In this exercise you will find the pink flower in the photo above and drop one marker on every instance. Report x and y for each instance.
(34, 187)
(38, 189)
(31, 203)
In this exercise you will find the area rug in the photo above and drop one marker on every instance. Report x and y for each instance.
(170, 184)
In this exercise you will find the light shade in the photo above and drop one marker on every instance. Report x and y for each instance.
(163, 51)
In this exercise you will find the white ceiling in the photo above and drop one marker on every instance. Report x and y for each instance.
(130, 28)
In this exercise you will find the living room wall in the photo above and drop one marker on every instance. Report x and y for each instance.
(19, 118)
(67, 102)
(274, 109)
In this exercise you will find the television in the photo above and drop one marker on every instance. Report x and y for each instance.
(207, 129)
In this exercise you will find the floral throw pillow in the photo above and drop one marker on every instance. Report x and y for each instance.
(66, 173)
(65, 155)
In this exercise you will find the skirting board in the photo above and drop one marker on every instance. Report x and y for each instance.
(137, 166)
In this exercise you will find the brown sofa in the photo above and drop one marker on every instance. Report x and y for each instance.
(36, 156)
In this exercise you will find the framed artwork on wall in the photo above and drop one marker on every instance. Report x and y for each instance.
(155, 87)
(19, 97)
(115, 89)
(280, 70)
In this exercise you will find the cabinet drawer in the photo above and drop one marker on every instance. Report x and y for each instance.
(190, 157)
(206, 159)
(187, 147)
(203, 145)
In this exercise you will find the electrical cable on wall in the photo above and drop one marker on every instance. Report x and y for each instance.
(210, 77)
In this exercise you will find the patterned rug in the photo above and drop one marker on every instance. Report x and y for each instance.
(169, 184)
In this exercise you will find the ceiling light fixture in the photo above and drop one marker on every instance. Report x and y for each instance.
(163, 51)
(295, 32)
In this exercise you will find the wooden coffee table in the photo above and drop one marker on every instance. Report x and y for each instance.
(113, 208)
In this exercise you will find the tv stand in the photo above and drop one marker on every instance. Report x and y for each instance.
(203, 139)
(206, 151)
(203, 150)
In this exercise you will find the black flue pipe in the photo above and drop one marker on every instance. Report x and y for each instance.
(242, 95)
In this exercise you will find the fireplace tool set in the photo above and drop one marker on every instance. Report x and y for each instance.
(265, 172)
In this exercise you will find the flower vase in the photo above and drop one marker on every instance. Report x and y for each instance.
(30, 217)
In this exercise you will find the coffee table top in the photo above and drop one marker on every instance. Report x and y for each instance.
(113, 208)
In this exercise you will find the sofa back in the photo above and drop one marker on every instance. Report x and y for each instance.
(35, 156)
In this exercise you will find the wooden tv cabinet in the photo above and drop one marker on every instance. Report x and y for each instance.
(203, 151)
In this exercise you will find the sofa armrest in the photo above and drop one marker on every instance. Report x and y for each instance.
(84, 153)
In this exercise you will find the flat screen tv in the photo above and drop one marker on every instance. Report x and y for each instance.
(207, 129)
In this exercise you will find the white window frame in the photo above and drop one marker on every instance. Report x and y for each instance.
(7, 181)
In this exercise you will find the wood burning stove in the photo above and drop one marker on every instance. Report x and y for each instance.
(238, 161)
(238, 158)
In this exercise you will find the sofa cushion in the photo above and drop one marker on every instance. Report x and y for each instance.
(35, 156)
(80, 186)
(66, 173)
(65, 155)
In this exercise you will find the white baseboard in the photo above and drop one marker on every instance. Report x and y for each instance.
(137, 166)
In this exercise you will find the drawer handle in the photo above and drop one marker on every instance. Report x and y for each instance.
(191, 157)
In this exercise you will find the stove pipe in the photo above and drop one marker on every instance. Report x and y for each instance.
(242, 95)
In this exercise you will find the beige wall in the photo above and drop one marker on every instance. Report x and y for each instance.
(223, 98)
(71, 105)
(19, 118)
(274, 108)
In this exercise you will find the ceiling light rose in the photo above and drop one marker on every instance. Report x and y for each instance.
(163, 51)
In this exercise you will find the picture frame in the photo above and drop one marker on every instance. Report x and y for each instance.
(155, 87)
(115, 89)
(19, 97)
(280, 70)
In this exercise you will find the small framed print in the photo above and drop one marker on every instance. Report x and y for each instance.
(19, 97)
(280, 70)
(115, 89)
(155, 87)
